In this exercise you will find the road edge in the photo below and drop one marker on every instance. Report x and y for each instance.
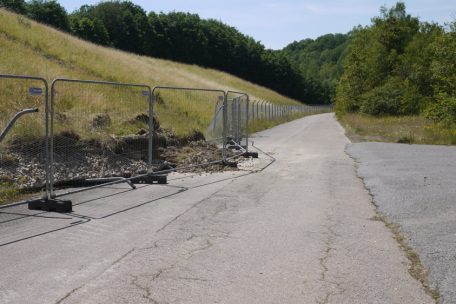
(416, 268)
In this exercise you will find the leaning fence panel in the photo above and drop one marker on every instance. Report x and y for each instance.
(23, 153)
(238, 118)
(100, 131)
(192, 128)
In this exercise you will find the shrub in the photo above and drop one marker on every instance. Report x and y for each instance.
(443, 110)
(384, 100)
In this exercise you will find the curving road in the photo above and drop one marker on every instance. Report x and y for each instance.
(293, 227)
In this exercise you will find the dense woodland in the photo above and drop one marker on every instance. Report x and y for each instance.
(320, 60)
(398, 65)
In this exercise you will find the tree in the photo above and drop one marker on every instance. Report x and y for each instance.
(386, 68)
(90, 29)
(125, 22)
(320, 60)
(17, 6)
(49, 12)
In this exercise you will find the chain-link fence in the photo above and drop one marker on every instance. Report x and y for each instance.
(100, 132)
(192, 129)
(264, 110)
(23, 141)
(215, 131)
(92, 133)
(238, 118)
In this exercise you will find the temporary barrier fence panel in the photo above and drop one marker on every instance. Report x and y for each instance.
(238, 117)
(99, 130)
(190, 116)
(23, 153)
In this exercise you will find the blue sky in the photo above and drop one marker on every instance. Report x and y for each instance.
(277, 23)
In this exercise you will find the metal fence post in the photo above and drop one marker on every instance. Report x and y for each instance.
(225, 125)
(151, 129)
(247, 125)
(46, 117)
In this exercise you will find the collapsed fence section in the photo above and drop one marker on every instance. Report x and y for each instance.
(24, 157)
(99, 132)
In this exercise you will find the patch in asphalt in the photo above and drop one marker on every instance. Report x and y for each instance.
(415, 187)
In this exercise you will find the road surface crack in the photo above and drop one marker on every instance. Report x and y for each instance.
(69, 294)
(147, 294)
(332, 288)
(337, 289)
(200, 249)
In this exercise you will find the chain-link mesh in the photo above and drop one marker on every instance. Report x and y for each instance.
(191, 125)
(23, 148)
(99, 130)
(215, 130)
(238, 117)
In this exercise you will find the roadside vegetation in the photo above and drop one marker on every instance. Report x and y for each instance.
(414, 129)
(399, 80)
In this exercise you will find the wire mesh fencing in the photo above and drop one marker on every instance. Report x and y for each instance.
(100, 131)
(192, 127)
(264, 110)
(90, 133)
(23, 141)
(238, 118)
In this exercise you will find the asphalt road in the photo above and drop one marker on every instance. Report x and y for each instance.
(415, 187)
(293, 227)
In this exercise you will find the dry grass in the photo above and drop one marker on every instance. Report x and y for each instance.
(258, 125)
(30, 48)
(405, 129)
(416, 268)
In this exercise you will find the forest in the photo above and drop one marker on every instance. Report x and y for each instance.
(320, 60)
(399, 65)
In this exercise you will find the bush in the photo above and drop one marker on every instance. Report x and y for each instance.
(443, 110)
(384, 100)
(413, 102)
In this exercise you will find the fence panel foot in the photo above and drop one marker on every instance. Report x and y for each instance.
(51, 205)
(249, 154)
(151, 179)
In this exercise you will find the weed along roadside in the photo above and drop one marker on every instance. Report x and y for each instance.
(405, 129)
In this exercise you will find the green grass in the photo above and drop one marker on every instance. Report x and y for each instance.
(403, 129)
(261, 124)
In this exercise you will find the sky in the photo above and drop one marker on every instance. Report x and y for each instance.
(276, 23)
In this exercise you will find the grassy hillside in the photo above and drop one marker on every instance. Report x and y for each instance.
(30, 48)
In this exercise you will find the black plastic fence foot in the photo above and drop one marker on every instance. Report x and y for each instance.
(231, 164)
(234, 147)
(51, 205)
(150, 179)
(249, 154)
